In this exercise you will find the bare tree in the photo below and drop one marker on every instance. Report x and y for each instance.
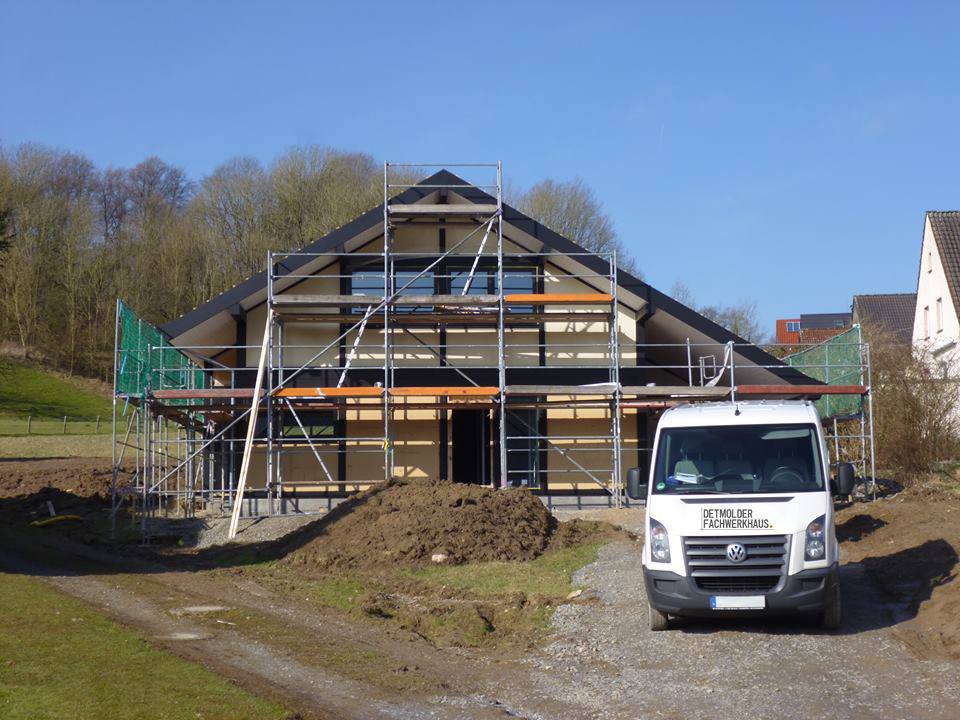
(740, 318)
(315, 190)
(573, 210)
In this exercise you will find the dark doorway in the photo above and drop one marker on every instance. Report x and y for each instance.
(469, 438)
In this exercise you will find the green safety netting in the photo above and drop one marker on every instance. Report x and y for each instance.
(836, 361)
(146, 360)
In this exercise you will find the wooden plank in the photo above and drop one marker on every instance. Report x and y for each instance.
(458, 209)
(558, 298)
(451, 391)
(203, 394)
(674, 391)
(328, 392)
(251, 427)
(792, 390)
(605, 389)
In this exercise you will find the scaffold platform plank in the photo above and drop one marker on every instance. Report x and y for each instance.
(794, 390)
(448, 210)
(557, 298)
(602, 389)
(300, 301)
(447, 300)
(479, 315)
(674, 391)
(440, 391)
(328, 392)
(203, 394)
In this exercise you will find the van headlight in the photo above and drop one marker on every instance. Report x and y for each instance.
(659, 542)
(816, 547)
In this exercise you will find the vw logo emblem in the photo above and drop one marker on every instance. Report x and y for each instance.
(736, 553)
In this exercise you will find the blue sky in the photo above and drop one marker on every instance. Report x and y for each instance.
(780, 152)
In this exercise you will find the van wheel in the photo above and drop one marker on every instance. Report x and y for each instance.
(658, 620)
(832, 616)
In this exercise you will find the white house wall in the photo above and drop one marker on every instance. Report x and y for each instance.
(931, 286)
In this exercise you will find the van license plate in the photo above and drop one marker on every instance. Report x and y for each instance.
(738, 602)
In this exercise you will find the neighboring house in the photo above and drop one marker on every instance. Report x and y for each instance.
(440, 375)
(892, 313)
(811, 328)
(935, 325)
(788, 331)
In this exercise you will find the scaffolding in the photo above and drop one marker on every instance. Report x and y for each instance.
(359, 343)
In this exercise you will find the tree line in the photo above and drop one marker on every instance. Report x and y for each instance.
(74, 237)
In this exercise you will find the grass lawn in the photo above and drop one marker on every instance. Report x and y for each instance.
(60, 659)
(548, 576)
(46, 446)
(27, 390)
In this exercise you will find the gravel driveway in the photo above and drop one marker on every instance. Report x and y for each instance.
(606, 662)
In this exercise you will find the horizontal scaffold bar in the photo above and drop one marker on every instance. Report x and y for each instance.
(459, 209)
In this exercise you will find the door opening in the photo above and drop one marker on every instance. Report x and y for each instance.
(469, 435)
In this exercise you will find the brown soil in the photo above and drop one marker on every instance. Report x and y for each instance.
(909, 544)
(83, 477)
(73, 485)
(408, 521)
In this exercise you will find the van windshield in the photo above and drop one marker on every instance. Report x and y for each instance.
(738, 459)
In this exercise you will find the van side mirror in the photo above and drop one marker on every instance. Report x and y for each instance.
(844, 479)
(636, 487)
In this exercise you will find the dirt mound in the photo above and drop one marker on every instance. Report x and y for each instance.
(409, 521)
(582, 532)
(908, 544)
(72, 485)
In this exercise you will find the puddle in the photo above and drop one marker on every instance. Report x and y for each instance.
(183, 636)
(198, 609)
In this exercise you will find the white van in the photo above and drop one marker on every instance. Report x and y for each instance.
(740, 513)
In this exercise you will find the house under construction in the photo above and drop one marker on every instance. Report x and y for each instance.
(443, 334)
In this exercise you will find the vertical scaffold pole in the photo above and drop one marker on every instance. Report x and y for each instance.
(501, 335)
(271, 475)
(617, 480)
(387, 425)
(113, 432)
(873, 459)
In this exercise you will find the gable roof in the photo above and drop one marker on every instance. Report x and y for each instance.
(654, 299)
(891, 311)
(945, 225)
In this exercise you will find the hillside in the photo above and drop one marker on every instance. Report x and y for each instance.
(28, 390)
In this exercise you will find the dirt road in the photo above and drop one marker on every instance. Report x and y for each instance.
(604, 663)
(613, 667)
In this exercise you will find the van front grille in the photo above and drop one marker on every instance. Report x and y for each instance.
(713, 571)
